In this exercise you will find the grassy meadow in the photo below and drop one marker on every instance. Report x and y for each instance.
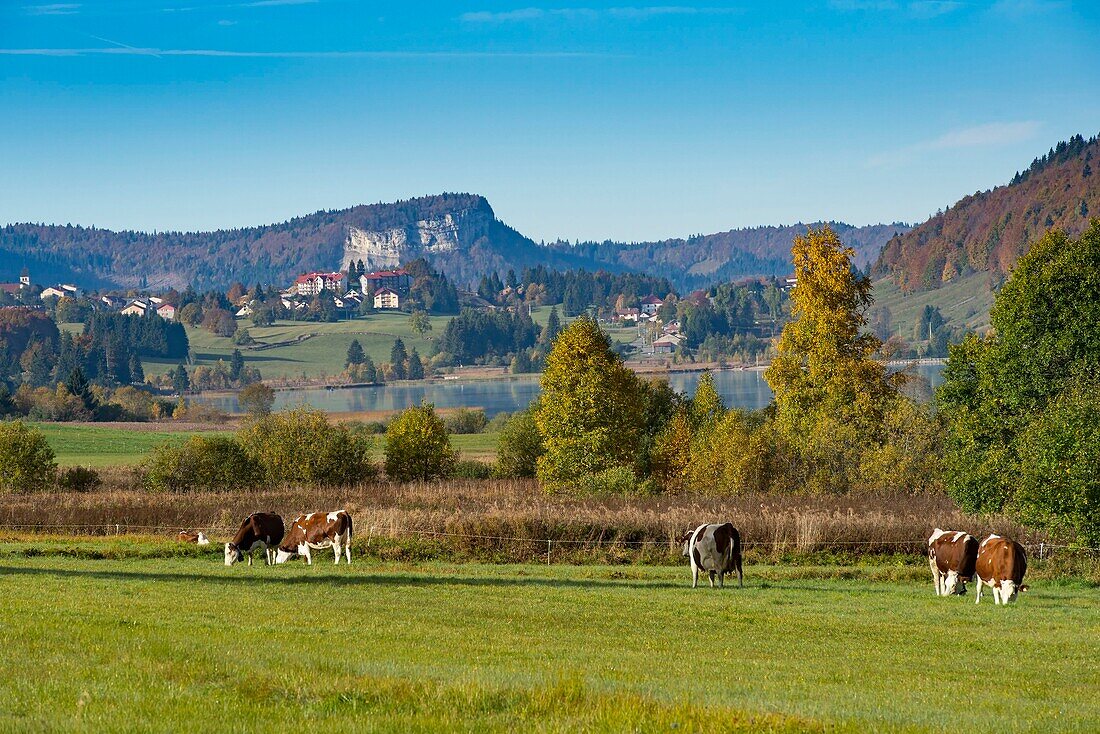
(321, 354)
(963, 302)
(181, 643)
(114, 445)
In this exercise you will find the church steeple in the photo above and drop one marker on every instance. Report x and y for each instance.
(25, 278)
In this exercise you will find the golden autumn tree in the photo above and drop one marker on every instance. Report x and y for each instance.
(590, 414)
(831, 394)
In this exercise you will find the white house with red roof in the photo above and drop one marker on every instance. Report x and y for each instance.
(650, 304)
(310, 284)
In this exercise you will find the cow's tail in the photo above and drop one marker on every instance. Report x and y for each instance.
(349, 528)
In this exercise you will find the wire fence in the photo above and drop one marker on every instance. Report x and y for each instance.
(1040, 549)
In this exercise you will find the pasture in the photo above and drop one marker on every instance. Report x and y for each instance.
(128, 444)
(179, 642)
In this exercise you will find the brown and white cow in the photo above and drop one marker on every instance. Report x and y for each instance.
(198, 538)
(715, 549)
(1001, 565)
(951, 556)
(316, 531)
(259, 530)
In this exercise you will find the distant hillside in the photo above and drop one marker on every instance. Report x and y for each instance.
(703, 259)
(990, 230)
(459, 233)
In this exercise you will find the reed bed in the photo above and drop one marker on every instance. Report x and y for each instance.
(514, 520)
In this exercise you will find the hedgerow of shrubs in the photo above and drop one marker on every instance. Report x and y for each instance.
(297, 445)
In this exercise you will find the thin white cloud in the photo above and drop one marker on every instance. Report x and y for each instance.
(122, 50)
(914, 8)
(991, 134)
(270, 3)
(52, 9)
(1017, 9)
(933, 8)
(618, 13)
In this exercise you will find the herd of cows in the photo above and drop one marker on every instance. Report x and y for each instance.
(955, 557)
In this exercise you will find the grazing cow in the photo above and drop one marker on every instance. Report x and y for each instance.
(198, 538)
(951, 556)
(1001, 565)
(715, 549)
(315, 531)
(259, 530)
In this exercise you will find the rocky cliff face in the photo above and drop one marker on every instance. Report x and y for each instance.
(432, 238)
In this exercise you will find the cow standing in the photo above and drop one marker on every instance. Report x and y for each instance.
(715, 549)
(316, 531)
(1001, 565)
(951, 556)
(259, 530)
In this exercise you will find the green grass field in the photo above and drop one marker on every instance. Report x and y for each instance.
(185, 644)
(322, 354)
(110, 446)
(963, 302)
(99, 447)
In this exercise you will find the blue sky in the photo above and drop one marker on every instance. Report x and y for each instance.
(576, 120)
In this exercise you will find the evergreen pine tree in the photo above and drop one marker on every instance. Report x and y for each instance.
(399, 359)
(416, 367)
(236, 364)
(137, 373)
(77, 384)
(355, 353)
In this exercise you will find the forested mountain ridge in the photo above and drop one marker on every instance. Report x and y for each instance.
(459, 233)
(990, 230)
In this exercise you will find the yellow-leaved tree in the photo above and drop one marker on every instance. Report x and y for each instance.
(831, 393)
(590, 414)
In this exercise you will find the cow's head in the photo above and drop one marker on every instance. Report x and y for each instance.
(954, 584)
(285, 554)
(232, 554)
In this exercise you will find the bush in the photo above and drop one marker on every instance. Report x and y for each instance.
(1059, 489)
(203, 462)
(417, 446)
(497, 423)
(300, 445)
(615, 480)
(256, 399)
(26, 459)
(470, 469)
(78, 479)
(520, 446)
(465, 421)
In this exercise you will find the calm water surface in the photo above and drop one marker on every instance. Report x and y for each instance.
(739, 389)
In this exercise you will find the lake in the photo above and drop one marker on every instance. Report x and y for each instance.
(740, 389)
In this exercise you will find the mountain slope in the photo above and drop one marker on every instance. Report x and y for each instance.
(459, 233)
(730, 255)
(990, 230)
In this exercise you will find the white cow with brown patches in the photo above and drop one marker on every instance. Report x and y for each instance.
(715, 549)
(316, 531)
(1001, 565)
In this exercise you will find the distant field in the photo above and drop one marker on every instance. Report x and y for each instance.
(110, 446)
(963, 302)
(183, 643)
(106, 446)
(322, 354)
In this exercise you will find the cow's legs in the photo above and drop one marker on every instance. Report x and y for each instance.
(711, 574)
(337, 551)
(249, 556)
(978, 583)
(935, 575)
(996, 593)
(721, 580)
(308, 555)
(694, 576)
(347, 550)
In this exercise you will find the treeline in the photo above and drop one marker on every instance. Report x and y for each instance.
(576, 290)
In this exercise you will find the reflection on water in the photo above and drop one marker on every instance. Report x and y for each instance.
(740, 389)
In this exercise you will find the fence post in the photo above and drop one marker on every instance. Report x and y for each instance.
(1041, 550)
(548, 542)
